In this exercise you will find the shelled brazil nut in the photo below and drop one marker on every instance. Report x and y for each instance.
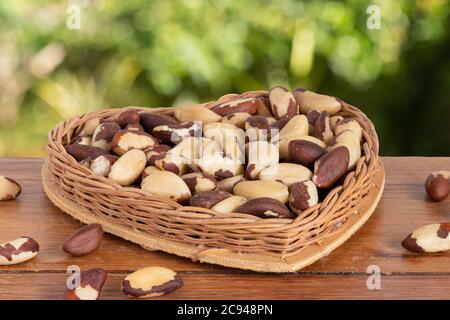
(282, 149)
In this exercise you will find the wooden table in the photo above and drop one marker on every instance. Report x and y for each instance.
(342, 275)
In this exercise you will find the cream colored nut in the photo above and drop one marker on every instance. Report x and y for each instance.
(220, 166)
(192, 148)
(350, 140)
(264, 108)
(126, 140)
(261, 154)
(167, 185)
(85, 240)
(150, 120)
(286, 173)
(285, 140)
(229, 183)
(429, 238)
(208, 199)
(89, 127)
(9, 189)
(104, 134)
(128, 167)
(157, 152)
(229, 204)
(266, 208)
(173, 162)
(177, 132)
(437, 185)
(83, 152)
(151, 282)
(83, 140)
(331, 167)
(89, 287)
(238, 104)
(302, 196)
(308, 100)
(322, 128)
(257, 128)
(282, 102)
(199, 182)
(271, 120)
(228, 136)
(196, 113)
(102, 164)
(334, 121)
(237, 119)
(296, 125)
(127, 117)
(305, 152)
(149, 170)
(262, 188)
(348, 124)
(18, 251)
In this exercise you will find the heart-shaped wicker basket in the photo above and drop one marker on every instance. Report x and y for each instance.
(232, 239)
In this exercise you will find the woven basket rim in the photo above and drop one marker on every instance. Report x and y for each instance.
(206, 218)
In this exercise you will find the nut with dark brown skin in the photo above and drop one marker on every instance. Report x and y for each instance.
(89, 127)
(126, 140)
(280, 123)
(102, 164)
(229, 183)
(257, 128)
(305, 152)
(150, 120)
(428, 239)
(312, 116)
(199, 182)
(84, 241)
(331, 167)
(90, 285)
(83, 152)
(128, 167)
(18, 251)
(437, 185)
(156, 152)
(104, 134)
(302, 196)
(151, 282)
(286, 139)
(83, 140)
(127, 117)
(238, 104)
(308, 100)
(167, 185)
(208, 199)
(9, 189)
(237, 119)
(175, 133)
(322, 128)
(266, 208)
(135, 126)
(196, 113)
(282, 102)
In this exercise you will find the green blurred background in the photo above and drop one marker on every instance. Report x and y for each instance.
(165, 53)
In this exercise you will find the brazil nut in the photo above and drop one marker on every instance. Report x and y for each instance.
(308, 100)
(166, 184)
(302, 196)
(9, 189)
(199, 182)
(18, 251)
(128, 167)
(331, 167)
(208, 199)
(266, 208)
(262, 188)
(196, 113)
(282, 102)
(104, 134)
(286, 173)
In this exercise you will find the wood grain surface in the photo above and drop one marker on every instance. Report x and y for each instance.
(341, 275)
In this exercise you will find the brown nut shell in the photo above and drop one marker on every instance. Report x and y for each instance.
(83, 152)
(305, 152)
(331, 167)
(208, 199)
(266, 208)
(84, 241)
(90, 285)
(127, 117)
(150, 120)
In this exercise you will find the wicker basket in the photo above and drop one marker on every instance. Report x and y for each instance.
(137, 212)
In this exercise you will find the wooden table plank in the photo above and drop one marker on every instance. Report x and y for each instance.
(403, 207)
(199, 286)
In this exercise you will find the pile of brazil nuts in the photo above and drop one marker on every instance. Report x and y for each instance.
(269, 156)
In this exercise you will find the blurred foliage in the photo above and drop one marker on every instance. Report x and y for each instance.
(164, 53)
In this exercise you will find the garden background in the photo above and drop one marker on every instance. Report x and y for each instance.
(59, 59)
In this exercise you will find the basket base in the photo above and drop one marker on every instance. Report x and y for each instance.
(224, 257)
